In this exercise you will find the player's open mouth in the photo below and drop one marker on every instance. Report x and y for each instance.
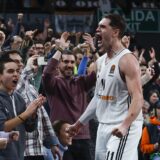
(99, 40)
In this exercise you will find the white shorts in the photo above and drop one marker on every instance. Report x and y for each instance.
(109, 147)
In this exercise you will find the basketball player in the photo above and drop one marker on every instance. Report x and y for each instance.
(118, 98)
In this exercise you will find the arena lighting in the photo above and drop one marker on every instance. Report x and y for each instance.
(60, 3)
(76, 4)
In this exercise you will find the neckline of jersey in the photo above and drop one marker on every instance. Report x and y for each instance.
(109, 60)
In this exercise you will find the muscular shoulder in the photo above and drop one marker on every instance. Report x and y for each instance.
(128, 63)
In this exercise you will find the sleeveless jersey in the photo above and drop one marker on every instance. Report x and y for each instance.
(112, 94)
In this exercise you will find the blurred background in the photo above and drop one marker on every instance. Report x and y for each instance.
(142, 16)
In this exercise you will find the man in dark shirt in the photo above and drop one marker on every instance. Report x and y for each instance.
(67, 97)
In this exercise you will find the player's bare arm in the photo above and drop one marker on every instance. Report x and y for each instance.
(129, 68)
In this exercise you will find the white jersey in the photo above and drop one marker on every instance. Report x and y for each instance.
(112, 94)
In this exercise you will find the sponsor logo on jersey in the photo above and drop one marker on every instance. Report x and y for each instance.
(107, 98)
(111, 72)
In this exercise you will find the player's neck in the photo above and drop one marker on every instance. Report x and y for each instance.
(115, 51)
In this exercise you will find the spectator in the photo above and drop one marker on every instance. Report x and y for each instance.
(2, 39)
(34, 147)
(153, 97)
(38, 48)
(67, 97)
(145, 112)
(150, 142)
(65, 140)
(13, 112)
(14, 41)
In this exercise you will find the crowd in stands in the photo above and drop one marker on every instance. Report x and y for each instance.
(63, 70)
